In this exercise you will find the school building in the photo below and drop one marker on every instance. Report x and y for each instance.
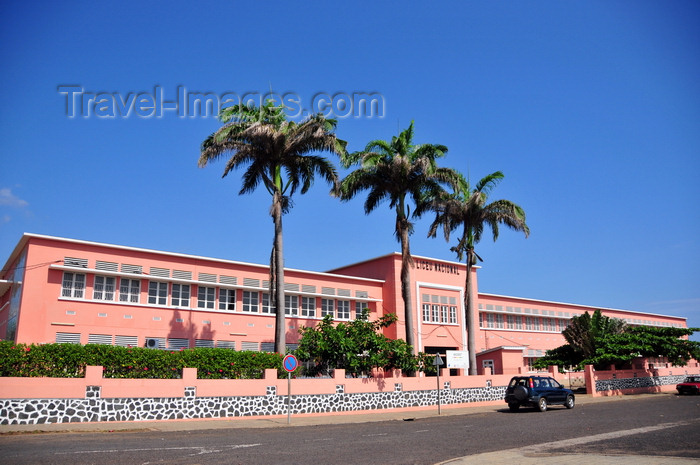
(62, 290)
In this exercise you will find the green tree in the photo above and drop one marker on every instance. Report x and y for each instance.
(357, 346)
(278, 154)
(402, 173)
(585, 331)
(469, 209)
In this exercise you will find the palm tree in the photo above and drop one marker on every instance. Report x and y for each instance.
(469, 209)
(398, 171)
(276, 153)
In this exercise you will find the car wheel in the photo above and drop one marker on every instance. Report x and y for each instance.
(520, 393)
(542, 404)
(513, 406)
(570, 402)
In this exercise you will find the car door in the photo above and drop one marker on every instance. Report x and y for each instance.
(555, 392)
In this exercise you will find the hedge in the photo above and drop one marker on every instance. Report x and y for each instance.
(70, 360)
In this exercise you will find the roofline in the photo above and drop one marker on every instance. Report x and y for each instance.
(393, 254)
(586, 307)
(27, 236)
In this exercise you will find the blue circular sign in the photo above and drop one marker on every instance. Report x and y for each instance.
(290, 363)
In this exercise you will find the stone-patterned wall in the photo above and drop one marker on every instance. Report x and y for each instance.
(94, 408)
(636, 383)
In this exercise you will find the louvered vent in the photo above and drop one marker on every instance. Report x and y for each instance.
(177, 343)
(291, 287)
(135, 269)
(100, 339)
(308, 289)
(179, 274)
(204, 343)
(160, 272)
(207, 277)
(228, 280)
(291, 347)
(251, 346)
(266, 283)
(344, 292)
(434, 298)
(426, 297)
(328, 290)
(453, 300)
(226, 345)
(67, 338)
(77, 262)
(106, 266)
(267, 346)
(443, 299)
(251, 282)
(361, 294)
(126, 341)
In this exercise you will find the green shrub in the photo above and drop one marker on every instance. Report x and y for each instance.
(70, 360)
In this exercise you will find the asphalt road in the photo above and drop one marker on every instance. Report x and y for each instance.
(663, 425)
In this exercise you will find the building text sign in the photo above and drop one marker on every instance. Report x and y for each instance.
(437, 266)
(457, 359)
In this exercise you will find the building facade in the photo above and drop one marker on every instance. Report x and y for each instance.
(70, 291)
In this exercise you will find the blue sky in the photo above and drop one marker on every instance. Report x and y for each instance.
(591, 109)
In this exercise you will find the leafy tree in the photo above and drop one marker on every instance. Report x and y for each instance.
(276, 153)
(357, 346)
(467, 208)
(603, 341)
(401, 172)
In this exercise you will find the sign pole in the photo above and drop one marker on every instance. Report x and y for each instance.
(289, 397)
(289, 363)
(438, 363)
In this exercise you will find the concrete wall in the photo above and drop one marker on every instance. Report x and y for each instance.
(637, 381)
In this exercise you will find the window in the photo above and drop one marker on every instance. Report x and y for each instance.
(103, 288)
(443, 313)
(157, 293)
(536, 325)
(528, 323)
(227, 299)
(343, 310)
(436, 314)
(308, 306)
(426, 313)
(518, 322)
(499, 321)
(291, 305)
(490, 320)
(73, 285)
(266, 305)
(181, 295)
(327, 307)
(453, 314)
(206, 297)
(250, 301)
(359, 309)
(129, 290)
(510, 322)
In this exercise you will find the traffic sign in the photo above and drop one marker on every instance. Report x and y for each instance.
(290, 363)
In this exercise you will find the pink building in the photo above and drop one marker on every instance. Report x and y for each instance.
(62, 290)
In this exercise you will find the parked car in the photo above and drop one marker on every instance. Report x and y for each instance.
(691, 385)
(539, 392)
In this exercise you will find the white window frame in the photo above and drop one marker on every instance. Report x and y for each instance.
(266, 305)
(343, 307)
(453, 314)
(227, 300)
(327, 307)
(206, 297)
(251, 301)
(157, 293)
(308, 306)
(104, 288)
(73, 285)
(180, 295)
(291, 305)
(129, 290)
(359, 308)
(443, 313)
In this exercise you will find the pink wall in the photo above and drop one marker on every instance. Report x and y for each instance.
(49, 388)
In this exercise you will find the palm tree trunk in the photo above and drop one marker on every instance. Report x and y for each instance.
(469, 314)
(406, 288)
(280, 323)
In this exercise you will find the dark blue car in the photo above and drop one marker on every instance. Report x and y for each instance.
(539, 392)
